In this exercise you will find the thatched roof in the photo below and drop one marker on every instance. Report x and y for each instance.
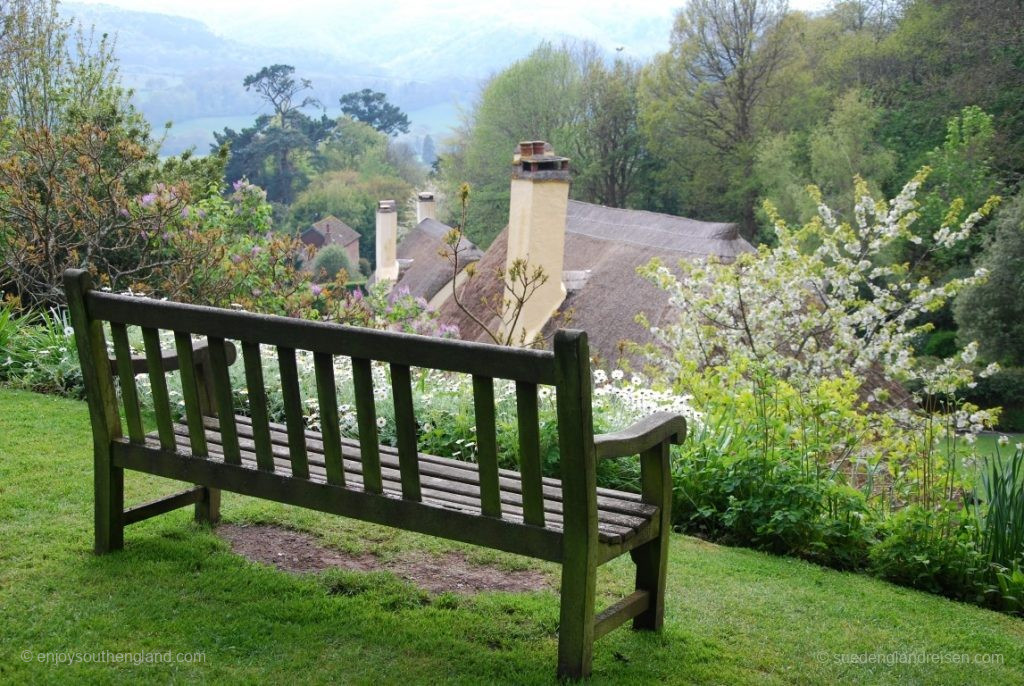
(604, 246)
(427, 271)
(330, 231)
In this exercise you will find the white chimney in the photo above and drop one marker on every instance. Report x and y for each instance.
(538, 206)
(425, 207)
(387, 241)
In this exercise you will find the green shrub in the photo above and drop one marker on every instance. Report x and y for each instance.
(37, 352)
(328, 262)
(1003, 389)
(940, 344)
(771, 505)
(932, 550)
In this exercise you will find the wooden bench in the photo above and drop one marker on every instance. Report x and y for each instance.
(569, 520)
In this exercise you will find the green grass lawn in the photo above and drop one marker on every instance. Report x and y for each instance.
(733, 615)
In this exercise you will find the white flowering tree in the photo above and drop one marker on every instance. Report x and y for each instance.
(829, 301)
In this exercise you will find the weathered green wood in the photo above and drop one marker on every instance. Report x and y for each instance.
(158, 387)
(108, 478)
(169, 358)
(643, 435)
(481, 506)
(208, 506)
(520, 364)
(258, 404)
(330, 429)
(190, 392)
(366, 418)
(652, 558)
(223, 403)
(579, 540)
(292, 397)
(614, 508)
(409, 515)
(486, 445)
(126, 377)
(529, 452)
(620, 612)
(160, 506)
(405, 429)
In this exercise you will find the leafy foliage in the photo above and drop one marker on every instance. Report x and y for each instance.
(372, 107)
(993, 312)
(329, 262)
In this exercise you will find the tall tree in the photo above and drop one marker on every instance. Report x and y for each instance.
(428, 151)
(608, 146)
(536, 98)
(281, 138)
(277, 85)
(708, 99)
(373, 108)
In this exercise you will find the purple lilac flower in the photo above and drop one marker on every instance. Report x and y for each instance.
(316, 289)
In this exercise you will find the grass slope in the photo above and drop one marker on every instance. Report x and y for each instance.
(734, 616)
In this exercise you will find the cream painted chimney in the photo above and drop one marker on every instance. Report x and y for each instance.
(425, 207)
(536, 230)
(387, 241)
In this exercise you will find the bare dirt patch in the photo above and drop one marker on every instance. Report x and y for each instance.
(298, 552)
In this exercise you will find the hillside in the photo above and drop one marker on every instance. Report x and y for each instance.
(428, 61)
(734, 616)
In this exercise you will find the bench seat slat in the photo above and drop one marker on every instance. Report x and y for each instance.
(609, 499)
(444, 479)
(434, 518)
(436, 492)
(462, 492)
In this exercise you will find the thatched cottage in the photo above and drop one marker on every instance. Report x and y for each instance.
(589, 252)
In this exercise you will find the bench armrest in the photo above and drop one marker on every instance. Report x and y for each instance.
(641, 436)
(200, 354)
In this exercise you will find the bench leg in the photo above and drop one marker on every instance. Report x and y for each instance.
(208, 506)
(576, 625)
(108, 489)
(651, 558)
(651, 561)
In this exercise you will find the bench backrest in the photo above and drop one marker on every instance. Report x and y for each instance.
(566, 368)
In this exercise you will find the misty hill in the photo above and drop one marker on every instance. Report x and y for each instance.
(428, 61)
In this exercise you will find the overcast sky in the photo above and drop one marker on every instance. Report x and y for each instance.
(221, 15)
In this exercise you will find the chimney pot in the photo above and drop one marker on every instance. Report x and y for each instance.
(538, 162)
(425, 206)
